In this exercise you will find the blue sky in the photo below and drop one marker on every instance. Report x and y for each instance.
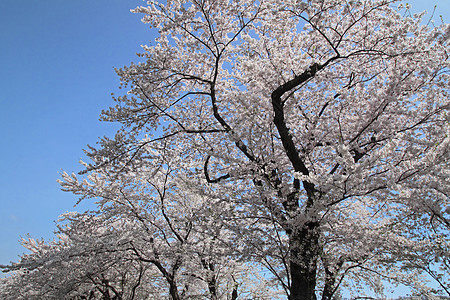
(57, 62)
(57, 59)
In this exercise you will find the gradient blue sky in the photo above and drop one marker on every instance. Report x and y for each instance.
(57, 60)
(56, 75)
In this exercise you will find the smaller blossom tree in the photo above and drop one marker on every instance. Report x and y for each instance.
(158, 241)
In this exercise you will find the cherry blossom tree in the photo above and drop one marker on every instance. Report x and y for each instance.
(309, 138)
(141, 244)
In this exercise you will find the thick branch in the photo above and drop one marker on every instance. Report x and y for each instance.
(280, 122)
(208, 179)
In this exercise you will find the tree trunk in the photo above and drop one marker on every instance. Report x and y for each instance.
(173, 292)
(304, 249)
(331, 273)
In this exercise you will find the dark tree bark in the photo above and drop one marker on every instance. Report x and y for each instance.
(329, 288)
(304, 247)
(303, 242)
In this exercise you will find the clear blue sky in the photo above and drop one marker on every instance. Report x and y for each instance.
(56, 75)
